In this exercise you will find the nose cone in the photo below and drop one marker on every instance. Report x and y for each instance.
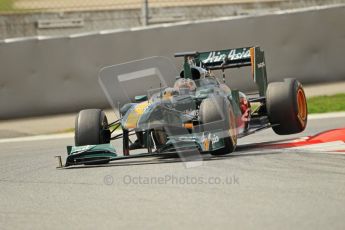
(133, 115)
(147, 115)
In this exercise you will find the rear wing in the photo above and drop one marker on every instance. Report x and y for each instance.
(233, 58)
(223, 59)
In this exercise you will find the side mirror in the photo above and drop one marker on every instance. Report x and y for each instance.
(140, 98)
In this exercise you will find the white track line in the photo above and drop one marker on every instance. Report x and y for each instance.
(38, 138)
(323, 147)
(326, 115)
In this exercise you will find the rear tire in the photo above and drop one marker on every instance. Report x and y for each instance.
(216, 113)
(91, 128)
(287, 107)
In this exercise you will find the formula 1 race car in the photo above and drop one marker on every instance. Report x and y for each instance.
(199, 114)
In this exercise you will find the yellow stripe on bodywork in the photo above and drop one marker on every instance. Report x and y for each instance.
(134, 116)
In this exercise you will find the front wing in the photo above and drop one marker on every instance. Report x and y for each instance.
(104, 153)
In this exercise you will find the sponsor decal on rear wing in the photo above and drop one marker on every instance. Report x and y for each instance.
(235, 58)
(223, 57)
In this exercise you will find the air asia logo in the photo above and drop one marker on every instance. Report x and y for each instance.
(234, 54)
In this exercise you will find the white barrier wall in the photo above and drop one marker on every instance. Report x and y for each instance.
(43, 76)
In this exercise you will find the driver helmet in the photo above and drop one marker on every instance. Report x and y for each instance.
(185, 83)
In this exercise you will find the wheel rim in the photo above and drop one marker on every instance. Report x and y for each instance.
(302, 106)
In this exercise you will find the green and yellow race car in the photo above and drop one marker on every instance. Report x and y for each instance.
(190, 113)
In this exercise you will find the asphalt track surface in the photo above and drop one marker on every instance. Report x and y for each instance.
(249, 189)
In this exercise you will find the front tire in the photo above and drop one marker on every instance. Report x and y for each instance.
(216, 114)
(91, 128)
(287, 107)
